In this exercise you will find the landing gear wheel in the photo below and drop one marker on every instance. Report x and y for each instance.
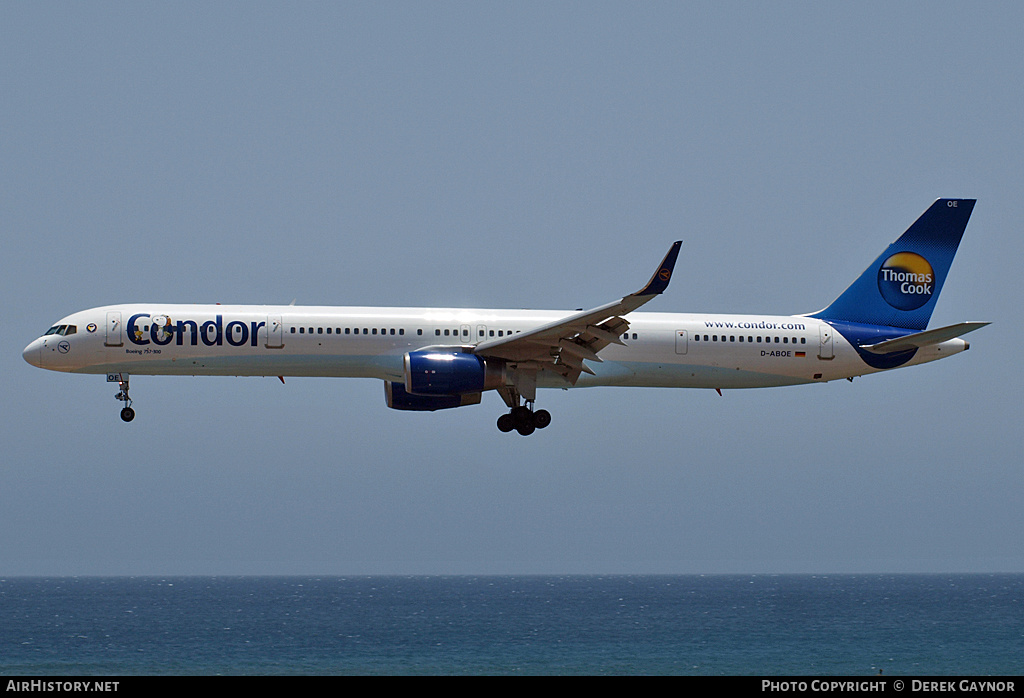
(127, 413)
(521, 417)
(541, 418)
(523, 420)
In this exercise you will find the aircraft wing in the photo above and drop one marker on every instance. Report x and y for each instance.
(924, 339)
(563, 345)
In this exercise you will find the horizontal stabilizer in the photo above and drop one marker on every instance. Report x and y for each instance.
(924, 339)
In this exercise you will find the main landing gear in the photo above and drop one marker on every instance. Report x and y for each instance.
(524, 420)
(127, 413)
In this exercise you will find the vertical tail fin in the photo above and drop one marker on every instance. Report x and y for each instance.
(901, 287)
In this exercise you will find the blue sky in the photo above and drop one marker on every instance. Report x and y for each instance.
(537, 155)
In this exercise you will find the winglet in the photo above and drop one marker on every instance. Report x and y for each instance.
(659, 282)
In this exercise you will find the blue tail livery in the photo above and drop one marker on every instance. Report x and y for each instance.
(895, 296)
(901, 287)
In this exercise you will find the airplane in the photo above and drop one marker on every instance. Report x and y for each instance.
(442, 358)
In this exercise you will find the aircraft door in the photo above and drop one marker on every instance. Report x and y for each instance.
(275, 332)
(681, 341)
(114, 330)
(825, 333)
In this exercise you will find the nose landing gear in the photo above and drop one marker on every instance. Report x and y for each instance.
(524, 420)
(127, 413)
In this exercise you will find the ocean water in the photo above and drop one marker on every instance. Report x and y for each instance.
(853, 625)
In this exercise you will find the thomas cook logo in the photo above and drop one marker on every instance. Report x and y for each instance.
(906, 281)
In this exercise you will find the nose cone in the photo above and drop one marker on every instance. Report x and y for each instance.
(34, 353)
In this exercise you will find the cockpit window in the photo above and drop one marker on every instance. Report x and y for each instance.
(52, 330)
(71, 329)
(62, 330)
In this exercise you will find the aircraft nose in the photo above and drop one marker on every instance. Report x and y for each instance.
(33, 353)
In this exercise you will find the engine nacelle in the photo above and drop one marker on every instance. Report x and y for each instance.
(450, 372)
(398, 399)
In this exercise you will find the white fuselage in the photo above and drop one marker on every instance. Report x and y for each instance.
(660, 349)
